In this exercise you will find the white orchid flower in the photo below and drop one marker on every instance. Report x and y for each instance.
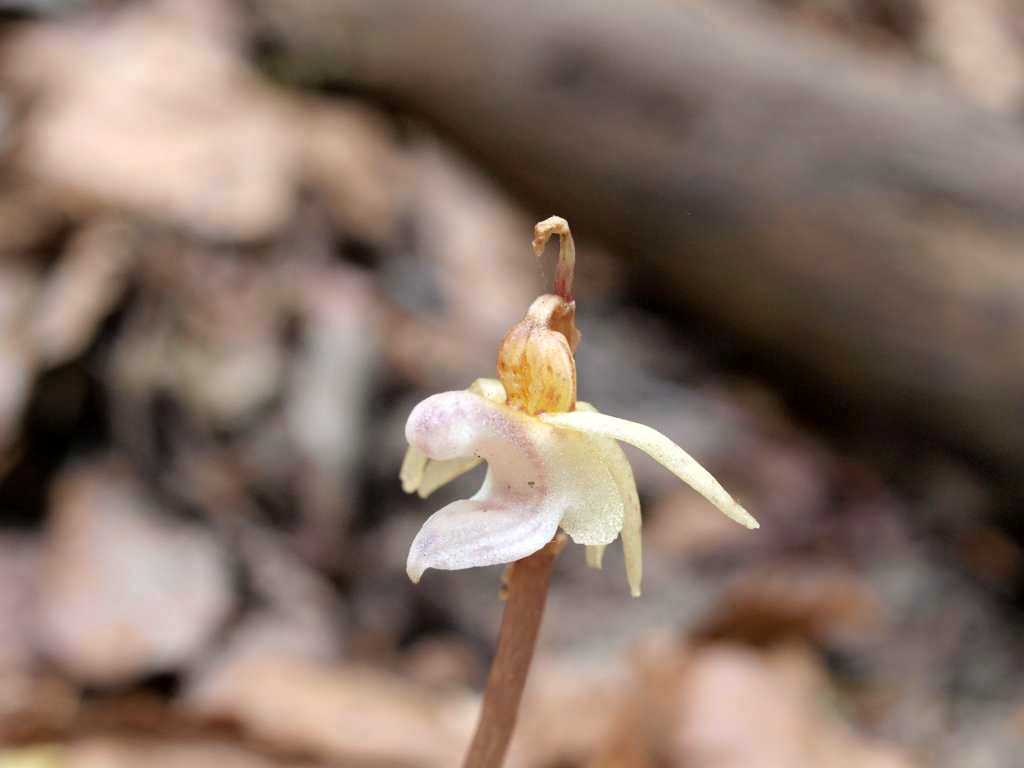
(552, 462)
(545, 472)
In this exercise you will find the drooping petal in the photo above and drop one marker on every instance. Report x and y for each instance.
(622, 472)
(595, 554)
(538, 478)
(661, 449)
(485, 530)
(421, 475)
(438, 473)
(413, 466)
(632, 552)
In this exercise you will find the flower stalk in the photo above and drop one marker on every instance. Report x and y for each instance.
(526, 592)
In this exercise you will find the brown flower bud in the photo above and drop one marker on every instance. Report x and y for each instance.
(535, 361)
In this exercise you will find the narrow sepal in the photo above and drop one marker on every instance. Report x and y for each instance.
(661, 449)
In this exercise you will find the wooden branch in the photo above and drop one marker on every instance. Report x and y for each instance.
(856, 226)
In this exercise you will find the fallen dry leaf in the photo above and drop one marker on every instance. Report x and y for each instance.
(571, 710)
(739, 708)
(298, 616)
(797, 604)
(125, 591)
(194, 753)
(153, 110)
(977, 49)
(344, 712)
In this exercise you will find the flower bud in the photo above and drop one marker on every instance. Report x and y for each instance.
(535, 361)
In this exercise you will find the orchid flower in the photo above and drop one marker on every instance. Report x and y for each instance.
(552, 462)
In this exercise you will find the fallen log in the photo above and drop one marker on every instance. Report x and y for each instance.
(851, 222)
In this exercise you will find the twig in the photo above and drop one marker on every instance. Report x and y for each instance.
(527, 592)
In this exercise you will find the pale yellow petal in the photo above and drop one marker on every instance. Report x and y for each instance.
(661, 449)
(595, 554)
(618, 464)
(438, 473)
(492, 389)
(631, 542)
(632, 552)
(597, 516)
(413, 466)
(594, 508)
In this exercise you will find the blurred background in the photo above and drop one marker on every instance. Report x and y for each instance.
(240, 240)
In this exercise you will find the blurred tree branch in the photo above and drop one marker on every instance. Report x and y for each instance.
(852, 222)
